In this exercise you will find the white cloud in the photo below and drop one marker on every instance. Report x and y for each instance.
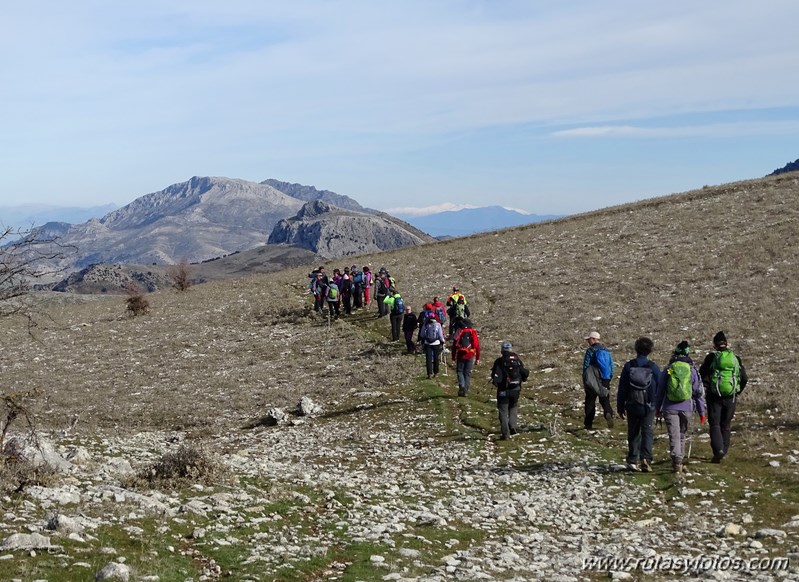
(678, 132)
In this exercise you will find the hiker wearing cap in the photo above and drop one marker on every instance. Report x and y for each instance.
(431, 336)
(636, 402)
(466, 353)
(724, 377)
(597, 374)
(507, 374)
(409, 324)
(679, 394)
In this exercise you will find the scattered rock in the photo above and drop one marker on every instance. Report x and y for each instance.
(113, 571)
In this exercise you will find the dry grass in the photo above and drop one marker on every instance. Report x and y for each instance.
(679, 267)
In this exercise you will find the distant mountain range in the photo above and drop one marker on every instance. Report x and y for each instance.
(25, 216)
(209, 217)
(452, 223)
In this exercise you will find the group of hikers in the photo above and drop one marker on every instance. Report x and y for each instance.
(646, 393)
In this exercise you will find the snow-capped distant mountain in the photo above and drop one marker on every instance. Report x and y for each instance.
(466, 220)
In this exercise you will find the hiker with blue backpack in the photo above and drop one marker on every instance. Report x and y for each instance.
(635, 401)
(724, 377)
(680, 392)
(597, 374)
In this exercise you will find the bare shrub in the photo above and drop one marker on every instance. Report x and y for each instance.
(180, 275)
(187, 464)
(136, 301)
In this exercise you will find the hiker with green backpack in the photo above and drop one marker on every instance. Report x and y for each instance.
(724, 377)
(679, 394)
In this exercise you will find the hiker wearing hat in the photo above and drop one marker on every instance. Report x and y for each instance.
(635, 401)
(724, 377)
(597, 374)
(396, 310)
(507, 374)
(679, 393)
(452, 305)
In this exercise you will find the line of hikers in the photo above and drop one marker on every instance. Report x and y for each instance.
(673, 395)
(645, 393)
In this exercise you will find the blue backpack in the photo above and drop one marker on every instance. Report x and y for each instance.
(399, 305)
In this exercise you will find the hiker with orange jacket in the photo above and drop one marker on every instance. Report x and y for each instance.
(466, 353)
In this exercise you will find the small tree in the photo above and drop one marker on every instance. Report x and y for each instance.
(180, 275)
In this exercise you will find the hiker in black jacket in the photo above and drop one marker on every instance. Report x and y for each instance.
(507, 374)
(724, 377)
(409, 325)
(636, 402)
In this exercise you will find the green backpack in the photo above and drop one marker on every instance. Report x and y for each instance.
(726, 375)
(678, 383)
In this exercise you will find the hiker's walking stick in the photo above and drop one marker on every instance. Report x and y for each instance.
(444, 360)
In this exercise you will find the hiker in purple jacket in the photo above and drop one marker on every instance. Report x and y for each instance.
(680, 392)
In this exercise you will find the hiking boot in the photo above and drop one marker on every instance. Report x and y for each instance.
(513, 432)
(717, 457)
(633, 467)
(609, 418)
(504, 437)
(676, 467)
(646, 466)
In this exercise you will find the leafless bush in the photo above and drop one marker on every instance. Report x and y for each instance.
(187, 464)
(180, 275)
(16, 471)
(136, 301)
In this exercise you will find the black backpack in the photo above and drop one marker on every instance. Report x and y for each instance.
(510, 373)
(465, 340)
(640, 380)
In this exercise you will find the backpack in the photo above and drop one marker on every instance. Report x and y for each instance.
(460, 310)
(465, 339)
(726, 375)
(442, 317)
(430, 332)
(640, 381)
(399, 305)
(358, 278)
(678, 383)
(381, 286)
(510, 373)
(332, 293)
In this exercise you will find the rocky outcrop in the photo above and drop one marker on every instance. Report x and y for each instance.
(333, 232)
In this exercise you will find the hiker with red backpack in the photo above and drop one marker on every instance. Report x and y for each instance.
(466, 354)
(724, 377)
(636, 402)
(507, 374)
(680, 391)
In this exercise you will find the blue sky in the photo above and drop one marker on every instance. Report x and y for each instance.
(551, 106)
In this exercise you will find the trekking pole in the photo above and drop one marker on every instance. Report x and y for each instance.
(444, 360)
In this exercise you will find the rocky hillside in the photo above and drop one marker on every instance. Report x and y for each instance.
(333, 232)
(310, 194)
(194, 220)
(182, 444)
